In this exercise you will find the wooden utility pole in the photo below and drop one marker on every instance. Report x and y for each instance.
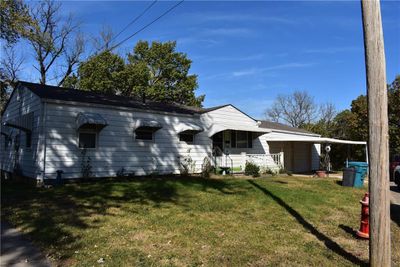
(379, 245)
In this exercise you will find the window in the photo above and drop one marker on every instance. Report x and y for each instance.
(87, 140)
(28, 139)
(144, 134)
(249, 139)
(186, 137)
(241, 141)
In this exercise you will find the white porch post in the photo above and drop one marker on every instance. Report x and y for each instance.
(282, 159)
(243, 160)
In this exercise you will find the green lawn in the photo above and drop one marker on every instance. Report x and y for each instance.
(276, 221)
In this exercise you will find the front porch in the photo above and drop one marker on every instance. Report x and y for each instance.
(233, 148)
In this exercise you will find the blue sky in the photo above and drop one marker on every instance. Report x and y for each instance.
(246, 53)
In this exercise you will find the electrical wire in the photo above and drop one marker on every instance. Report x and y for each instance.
(147, 25)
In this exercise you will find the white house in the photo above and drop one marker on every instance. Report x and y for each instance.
(47, 128)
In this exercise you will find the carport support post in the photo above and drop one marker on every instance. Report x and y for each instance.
(379, 245)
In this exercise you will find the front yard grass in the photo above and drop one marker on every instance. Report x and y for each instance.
(279, 221)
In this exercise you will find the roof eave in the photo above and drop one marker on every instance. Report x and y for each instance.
(67, 102)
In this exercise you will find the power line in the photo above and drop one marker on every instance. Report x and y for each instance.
(135, 33)
(147, 25)
(135, 19)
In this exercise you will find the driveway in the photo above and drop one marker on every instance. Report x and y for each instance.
(16, 250)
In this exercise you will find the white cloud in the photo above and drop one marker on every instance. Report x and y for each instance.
(255, 71)
(245, 72)
(271, 71)
(332, 50)
(218, 17)
(233, 58)
(226, 32)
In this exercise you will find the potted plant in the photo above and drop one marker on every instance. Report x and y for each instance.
(321, 173)
(322, 168)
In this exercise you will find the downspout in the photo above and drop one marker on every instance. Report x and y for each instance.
(44, 132)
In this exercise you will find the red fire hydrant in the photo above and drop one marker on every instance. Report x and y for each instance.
(364, 225)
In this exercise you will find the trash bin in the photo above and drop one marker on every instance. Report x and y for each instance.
(361, 170)
(348, 177)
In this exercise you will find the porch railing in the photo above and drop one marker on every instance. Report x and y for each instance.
(271, 161)
(237, 162)
(222, 160)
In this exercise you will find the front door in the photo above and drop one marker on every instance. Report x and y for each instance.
(218, 141)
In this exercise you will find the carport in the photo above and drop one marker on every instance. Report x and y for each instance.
(302, 152)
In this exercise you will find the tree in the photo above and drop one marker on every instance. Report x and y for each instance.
(394, 115)
(104, 41)
(101, 72)
(14, 20)
(9, 72)
(325, 122)
(55, 44)
(168, 78)
(297, 109)
(155, 73)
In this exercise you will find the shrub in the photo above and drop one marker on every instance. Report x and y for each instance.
(206, 168)
(251, 169)
(86, 166)
(187, 164)
(273, 172)
(121, 173)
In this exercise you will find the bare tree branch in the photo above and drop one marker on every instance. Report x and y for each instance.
(296, 109)
(11, 65)
(104, 40)
(54, 43)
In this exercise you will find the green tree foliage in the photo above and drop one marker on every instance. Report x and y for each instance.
(14, 20)
(345, 126)
(152, 72)
(167, 73)
(352, 124)
(101, 72)
(394, 116)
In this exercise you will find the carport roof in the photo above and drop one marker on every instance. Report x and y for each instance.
(312, 139)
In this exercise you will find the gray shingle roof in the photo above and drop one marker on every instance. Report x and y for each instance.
(74, 95)
(282, 127)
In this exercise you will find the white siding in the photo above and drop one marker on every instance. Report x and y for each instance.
(316, 153)
(231, 116)
(21, 103)
(117, 147)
